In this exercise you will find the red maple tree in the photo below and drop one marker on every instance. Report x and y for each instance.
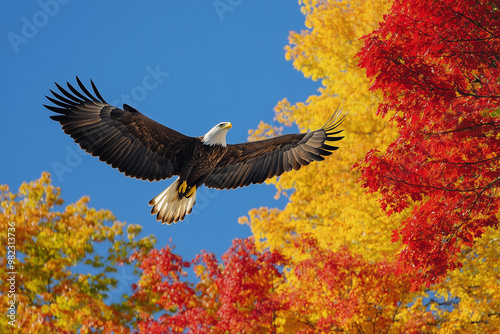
(437, 64)
(234, 296)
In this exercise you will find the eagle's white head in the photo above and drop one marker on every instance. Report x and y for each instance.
(217, 135)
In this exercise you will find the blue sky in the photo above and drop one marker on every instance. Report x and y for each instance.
(184, 64)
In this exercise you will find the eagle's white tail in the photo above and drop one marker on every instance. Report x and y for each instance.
(170, 207)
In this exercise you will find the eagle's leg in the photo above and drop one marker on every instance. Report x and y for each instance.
(191, 191)
(183, 188)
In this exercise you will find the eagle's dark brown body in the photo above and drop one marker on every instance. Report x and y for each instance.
(202, 162)
(144, 149)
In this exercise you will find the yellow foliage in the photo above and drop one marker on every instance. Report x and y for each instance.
(474, 290)
(326, 200)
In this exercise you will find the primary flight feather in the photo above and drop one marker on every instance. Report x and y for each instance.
(142, 148)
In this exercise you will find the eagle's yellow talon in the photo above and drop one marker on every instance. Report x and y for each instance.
(182, 188)
(191, 192)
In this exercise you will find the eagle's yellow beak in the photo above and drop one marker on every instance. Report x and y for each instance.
(228, 125)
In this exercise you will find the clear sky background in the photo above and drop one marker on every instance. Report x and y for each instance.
(209, 66)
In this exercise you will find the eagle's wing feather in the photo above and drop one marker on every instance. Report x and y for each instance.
(123, 138)
(254, 162)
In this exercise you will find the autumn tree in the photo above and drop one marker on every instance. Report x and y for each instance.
(324, 198)
(234, 296)
(437, 65)
(468, 300)
(339, 291)
(51, 296)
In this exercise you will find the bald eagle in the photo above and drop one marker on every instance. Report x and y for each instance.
(142, 148)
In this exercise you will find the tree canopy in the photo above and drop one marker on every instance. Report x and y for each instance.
(436, 64)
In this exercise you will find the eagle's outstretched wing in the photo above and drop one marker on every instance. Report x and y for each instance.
(254, 162)
(123, 138)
